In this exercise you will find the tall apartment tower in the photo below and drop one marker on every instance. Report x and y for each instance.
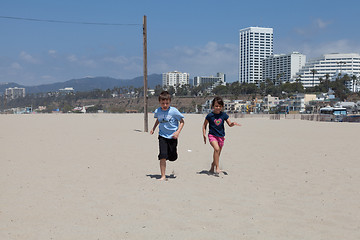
(256, 44)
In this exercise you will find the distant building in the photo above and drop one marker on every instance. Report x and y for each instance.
(298, 102)
(331, 64)
(206, 107)
(151, 92)
(270, 101)
(255, 44)
(211, 81)
(175, 79)
(353, 85)
(41, 108)
(282, 68)
(13, 93)
(234, 106)
(351, 107)
(66, 90)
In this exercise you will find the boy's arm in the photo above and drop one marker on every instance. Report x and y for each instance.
(231, 124)
(154, 127)
(181, 125)
(204, 129)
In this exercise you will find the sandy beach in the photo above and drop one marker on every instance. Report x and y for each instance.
(94, 176)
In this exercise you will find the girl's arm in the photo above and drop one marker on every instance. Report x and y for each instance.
(181, 125)
(154, 127)
(231, 124)
(204, 129)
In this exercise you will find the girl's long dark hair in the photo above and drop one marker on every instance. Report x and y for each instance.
(217, 100)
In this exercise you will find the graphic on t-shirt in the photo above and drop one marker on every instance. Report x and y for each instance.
(218, 121)
(164, 118)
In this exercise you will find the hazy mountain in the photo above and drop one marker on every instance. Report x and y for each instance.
(88, 84)
(4, 86)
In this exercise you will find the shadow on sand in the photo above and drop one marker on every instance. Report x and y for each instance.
(207, 172)
(158, 176)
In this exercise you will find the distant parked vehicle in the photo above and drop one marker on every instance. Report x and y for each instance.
(333, 114)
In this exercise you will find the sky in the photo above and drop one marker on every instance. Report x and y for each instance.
(194, 36)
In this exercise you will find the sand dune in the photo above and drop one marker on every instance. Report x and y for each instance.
(95, 177)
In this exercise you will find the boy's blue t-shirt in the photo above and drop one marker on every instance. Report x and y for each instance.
(216, 123)
(168, 121)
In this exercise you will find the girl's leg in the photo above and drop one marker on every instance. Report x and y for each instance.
(162, 169)
(216, 157)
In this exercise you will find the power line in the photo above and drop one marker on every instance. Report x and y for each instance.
(69, 22)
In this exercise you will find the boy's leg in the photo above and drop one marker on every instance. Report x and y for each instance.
(216, 157)
(172, 149)
(163, 155)
(172, 156)
(162, 169)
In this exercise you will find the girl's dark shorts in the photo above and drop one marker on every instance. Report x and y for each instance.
(167, 149)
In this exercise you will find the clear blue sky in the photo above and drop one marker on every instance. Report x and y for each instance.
(198, 37)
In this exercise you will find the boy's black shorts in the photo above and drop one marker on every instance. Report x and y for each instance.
(167, 149)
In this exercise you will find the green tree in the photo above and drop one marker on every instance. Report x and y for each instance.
(235, 88)
(327, 81)
(250, 88)
(292, 88)
(313, 71)
(279, 78)
(171, 90)
(220, 90)
(195, 91)
(339, 88)
(158, 89)
(354, 82)
(183, 90)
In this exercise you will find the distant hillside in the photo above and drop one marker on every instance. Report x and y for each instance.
(88, 84)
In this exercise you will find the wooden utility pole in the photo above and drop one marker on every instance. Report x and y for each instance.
(145, 77)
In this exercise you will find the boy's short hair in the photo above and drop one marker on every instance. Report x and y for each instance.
(217, 100)
(164, 95)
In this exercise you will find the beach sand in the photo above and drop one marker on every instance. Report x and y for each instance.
(94, 176)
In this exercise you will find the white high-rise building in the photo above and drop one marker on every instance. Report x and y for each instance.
(331, 65)
(256, 44)
(283, 68)
(175, 79)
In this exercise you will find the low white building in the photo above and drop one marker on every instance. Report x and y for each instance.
(66, 90)
(270, 101)
(219, 79)
(299, 101)
(329, 65)
(12, 93)
(174, 79)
